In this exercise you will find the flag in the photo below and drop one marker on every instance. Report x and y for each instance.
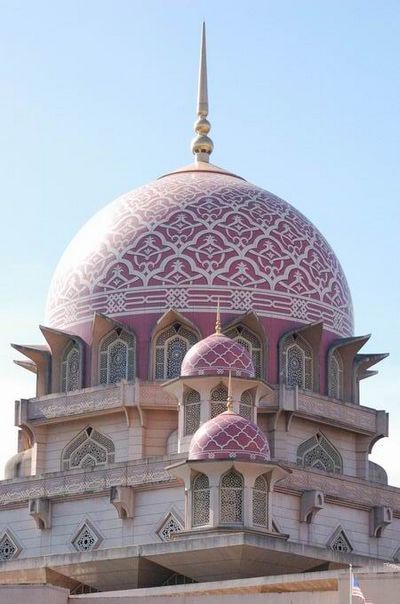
(356, 589)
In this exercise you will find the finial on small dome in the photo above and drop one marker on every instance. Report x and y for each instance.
(218, 321)
(229, 400)
(202, 145)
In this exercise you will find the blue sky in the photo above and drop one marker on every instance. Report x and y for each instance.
(99, 97)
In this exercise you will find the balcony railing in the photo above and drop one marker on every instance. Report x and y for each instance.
(76, 402)
(75, 482)
(355, 417)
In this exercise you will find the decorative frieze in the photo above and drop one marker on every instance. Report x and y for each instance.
(76, 482)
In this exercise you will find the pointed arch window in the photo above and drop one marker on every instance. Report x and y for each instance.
(218, 400)
(191, 403)
(335, 376)
(317, 452)
(252, 343)
(117, 357)
(171, 346)
(260, 511)
(88, 449)
(201, 500)
(246, 405)
(231, 498)
(71, 370)
(297, 362)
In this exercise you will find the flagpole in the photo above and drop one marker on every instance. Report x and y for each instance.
(350, 584)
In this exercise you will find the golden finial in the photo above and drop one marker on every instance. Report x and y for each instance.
(202, 145)
(229, 399)
(218, 321)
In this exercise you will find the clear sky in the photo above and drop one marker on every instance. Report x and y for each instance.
(98, 97)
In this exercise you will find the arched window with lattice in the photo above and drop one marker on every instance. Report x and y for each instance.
(260, 502)
(252, 343)
(117, 357)
(317, 452)
(246, 405)
(200, 500)
(171, 346)
(297, 362)
(191, 405)
(218, 400)
(71, 368)
(335, 376)
(88, 449)
(231, 498)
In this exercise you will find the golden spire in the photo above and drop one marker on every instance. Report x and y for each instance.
(229, 400)
(218, 321)
(202, 145)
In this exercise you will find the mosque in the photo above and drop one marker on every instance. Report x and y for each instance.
(197, 427)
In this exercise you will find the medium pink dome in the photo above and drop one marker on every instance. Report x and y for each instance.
(217, 355)
(191, 237)
(229, 436)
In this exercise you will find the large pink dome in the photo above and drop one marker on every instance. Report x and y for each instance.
(193, 236)
(218, 354)
(229, 436)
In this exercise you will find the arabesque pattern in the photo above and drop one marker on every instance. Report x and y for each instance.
(189, 237)
(229, 436)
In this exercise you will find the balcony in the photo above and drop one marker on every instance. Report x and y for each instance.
(323, 409)
(97, 399)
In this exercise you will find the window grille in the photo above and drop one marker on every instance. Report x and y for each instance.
(339, 542)
(246, 405)
(8, 548)
(117, 357)
(218, 400)
(86, 539)
(335, 376)
(201, 500)
(260, 515)
(169, 528)
(317, 452)
(88, 449)
(192, 409)
(252, 343)
(71, 375)
(297, 361)
(231, 498)
(171, 346)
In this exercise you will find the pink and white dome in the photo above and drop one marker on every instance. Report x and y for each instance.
(217, 355)
(229, 436)
(190, 237)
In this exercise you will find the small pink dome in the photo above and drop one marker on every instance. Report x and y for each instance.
(229, 436)
(217, 355)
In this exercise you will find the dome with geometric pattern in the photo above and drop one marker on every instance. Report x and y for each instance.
(229, 436)
(190, 237)
(218, 355)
